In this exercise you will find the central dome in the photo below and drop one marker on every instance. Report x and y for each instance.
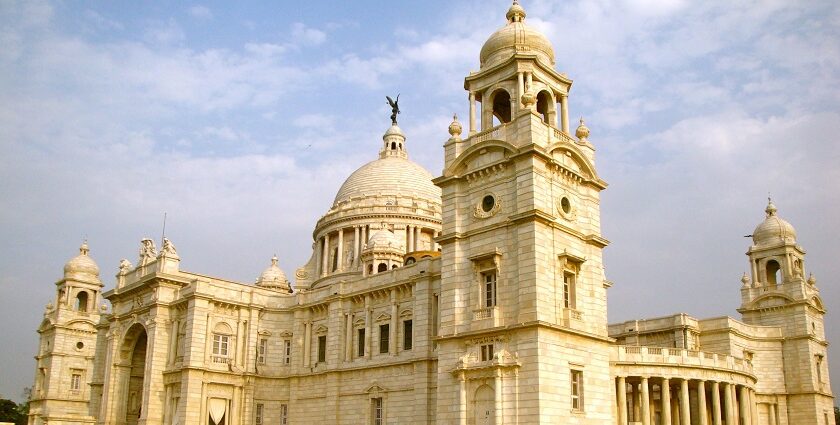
(389, 176)
(515, 37)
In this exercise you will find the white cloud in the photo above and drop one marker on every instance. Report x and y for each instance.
(307, 35)
(200, 12)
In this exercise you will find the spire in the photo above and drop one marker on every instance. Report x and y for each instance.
(771, 208)
(516, 13)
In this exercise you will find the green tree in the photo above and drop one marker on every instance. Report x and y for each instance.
(10, 412)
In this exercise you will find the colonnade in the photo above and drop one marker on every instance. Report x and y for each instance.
(332, 257)
(680, 401)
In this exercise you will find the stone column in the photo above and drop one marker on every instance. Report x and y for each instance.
(392, 342)
(348, 339)
(564, 117)
(472, 113)
(716, 413)
(520, 80)
(753, 407)
(368, 326)
(730, 408)
(745, 405)
(701, 403)
(666, 401)
(685, 406)
(462, 399)
(417, 237)
(340, 254)
(307, 343)
(325, 256)
(529, 80)
(771, 413)
(622, 400)
(645, 403)
(498, 400)
(409, 244)
(173, 342)
(356, 246)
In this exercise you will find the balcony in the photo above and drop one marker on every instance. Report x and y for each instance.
(485, 317)
(215, 359)
(659, 356)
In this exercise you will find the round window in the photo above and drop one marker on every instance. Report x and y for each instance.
(80, 345)
(565, 205)
(488, 203)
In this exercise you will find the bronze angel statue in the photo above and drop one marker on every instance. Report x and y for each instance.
(395, 108)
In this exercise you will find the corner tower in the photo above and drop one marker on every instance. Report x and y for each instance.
(523, 332)
(68, 337)
(778, 294)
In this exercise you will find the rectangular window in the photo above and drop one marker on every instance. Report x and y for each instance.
(818, 360)
(486, 352)
(577, 389)
(287, 351)
(258, 415)
(408, 336)
(361, 343)
(322, 349)
(76, 381)
(284, 414)
(568, 290)
(376, 411)
(384, 338)
(220, 345)
(489, 288)
(262, 349)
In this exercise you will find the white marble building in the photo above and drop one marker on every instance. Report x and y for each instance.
(474, 297)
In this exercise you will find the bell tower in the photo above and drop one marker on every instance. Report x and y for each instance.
(68, 336)
(777, 294)
(523, 294)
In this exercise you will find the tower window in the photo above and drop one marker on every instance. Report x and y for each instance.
(393, 146)
(76, 381)
(82, 301)
(287, 351)
(382, 268)
(577, 389)
(487, 352)
(220, 345)
(501, 106)
(774, 273)
(407, 334)
(322, 349)
(569, 290)
(544, 106)
(376, 411)
(487, 203)
(361, 343)
(489, 288)
(384, 338)
(258, 415)
(284, 414)
(262, 351)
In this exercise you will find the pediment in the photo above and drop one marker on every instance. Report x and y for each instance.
(384, 317)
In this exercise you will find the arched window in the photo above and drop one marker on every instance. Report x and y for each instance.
(382, 268)
(545, 106)
(393, 267)
(501, 106)
(393, 146)
(370, 269)
(774, 273)
(82, 301)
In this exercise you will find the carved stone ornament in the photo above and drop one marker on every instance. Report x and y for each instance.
(301, 273)
(478, 211)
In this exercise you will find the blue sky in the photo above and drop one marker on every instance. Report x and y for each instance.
(242, 120)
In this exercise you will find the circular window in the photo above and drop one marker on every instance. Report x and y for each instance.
(488, 203)
(80, 345)
(566, 205)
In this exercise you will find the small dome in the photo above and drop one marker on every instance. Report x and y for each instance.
(274, 278)
(773, 229)
(515, 37)
(383, 238)
(82, 267)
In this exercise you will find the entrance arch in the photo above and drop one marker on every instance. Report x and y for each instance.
(133, 354)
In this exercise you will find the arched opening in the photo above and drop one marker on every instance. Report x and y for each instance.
(82, 301)
(501, 107)
(484, 409)
(774, 273)
(393, 146)
(545, 106)
(382, 268)
(393, 267)
(370, 269)
(134, 356)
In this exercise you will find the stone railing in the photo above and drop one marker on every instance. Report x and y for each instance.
(561, 136)
(678, 357)
(220, 359)
(483, 313)
(496, 133)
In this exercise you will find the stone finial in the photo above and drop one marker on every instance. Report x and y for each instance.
(516, 13)
(528, 99)
(811, 279)
(771, 208)
(455, 128)
(582, 131)
(83, 249)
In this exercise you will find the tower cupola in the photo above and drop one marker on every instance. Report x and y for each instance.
(773, 230)
(82, 267)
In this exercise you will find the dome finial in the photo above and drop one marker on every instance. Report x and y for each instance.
(771, 208)
(516, 13)
(83, 250)
(274, 260)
